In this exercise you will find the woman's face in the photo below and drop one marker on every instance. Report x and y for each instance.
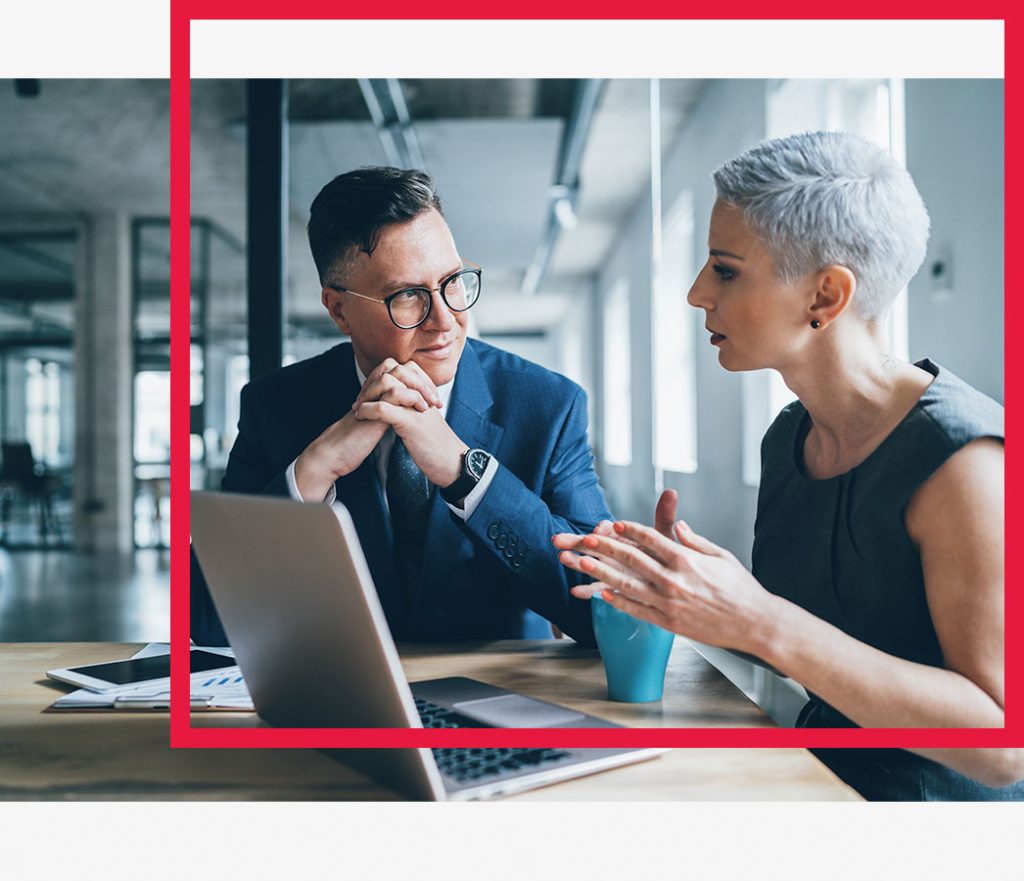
(755, 320)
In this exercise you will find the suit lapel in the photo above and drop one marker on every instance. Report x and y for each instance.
(467, 408)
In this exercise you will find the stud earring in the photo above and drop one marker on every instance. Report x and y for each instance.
(815, 324)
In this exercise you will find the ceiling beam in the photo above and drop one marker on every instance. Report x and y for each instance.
(390, 114)
(31, 291)
(565, 189)
(31, 250)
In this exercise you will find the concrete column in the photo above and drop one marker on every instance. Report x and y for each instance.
(14, 427)
(104, 365)
(267, 230)
(67, 409)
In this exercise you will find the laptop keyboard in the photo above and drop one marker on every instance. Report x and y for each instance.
(470, 764)
(436, 716)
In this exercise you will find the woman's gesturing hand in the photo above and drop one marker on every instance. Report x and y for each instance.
(664, 518)
(693, 588)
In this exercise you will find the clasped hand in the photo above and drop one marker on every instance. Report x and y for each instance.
(672, 577)
(399, 396)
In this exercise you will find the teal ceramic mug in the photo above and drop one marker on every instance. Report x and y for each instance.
(635, 653)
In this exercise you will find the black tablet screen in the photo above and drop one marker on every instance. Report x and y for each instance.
(153, 667)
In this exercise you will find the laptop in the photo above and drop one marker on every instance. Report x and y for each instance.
(300, 609)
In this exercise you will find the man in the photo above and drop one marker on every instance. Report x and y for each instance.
(457, 461)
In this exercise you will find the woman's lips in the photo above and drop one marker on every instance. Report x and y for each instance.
(717, 338)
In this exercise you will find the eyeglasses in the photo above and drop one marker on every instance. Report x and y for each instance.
(410, 307)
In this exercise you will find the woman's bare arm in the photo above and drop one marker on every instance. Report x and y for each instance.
(702, 591)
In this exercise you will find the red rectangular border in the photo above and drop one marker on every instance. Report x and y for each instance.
(183, 12)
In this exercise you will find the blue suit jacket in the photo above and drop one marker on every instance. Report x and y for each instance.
(479, 578)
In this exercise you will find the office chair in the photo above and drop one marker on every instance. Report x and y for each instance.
(21, 475)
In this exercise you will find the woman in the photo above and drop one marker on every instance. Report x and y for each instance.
(877, 576)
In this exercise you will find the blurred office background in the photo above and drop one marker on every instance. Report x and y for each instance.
(83, 359)
(586, 202)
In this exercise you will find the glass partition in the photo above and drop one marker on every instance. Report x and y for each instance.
(217, 332)
(37, 395)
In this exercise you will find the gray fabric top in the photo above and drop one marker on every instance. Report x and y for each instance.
(839, 547)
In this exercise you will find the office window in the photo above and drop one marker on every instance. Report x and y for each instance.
(675, 385)
(197, 396)
(195, 388)
(152, 404)
(618, 411)
(42, 410)
(872, 108)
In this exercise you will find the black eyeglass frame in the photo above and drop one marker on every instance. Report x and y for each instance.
(476, 270)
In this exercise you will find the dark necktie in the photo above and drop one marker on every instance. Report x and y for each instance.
(408, 494)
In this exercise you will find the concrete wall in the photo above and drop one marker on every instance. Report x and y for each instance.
(955, 153)
(14, 398)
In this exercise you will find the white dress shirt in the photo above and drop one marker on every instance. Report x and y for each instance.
(382, 452)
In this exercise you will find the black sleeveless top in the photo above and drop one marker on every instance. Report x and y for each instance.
(839, 548)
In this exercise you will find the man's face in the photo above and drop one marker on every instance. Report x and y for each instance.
(417, 253)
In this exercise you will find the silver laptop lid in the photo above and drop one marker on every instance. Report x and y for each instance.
(298, 604)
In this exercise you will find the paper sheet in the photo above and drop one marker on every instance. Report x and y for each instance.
(220, 690)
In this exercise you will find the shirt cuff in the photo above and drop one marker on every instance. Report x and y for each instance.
(293, 487)
(469, 504)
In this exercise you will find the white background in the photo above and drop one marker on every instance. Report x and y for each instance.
(597, 48)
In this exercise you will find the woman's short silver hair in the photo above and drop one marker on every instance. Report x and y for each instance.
(824, 198)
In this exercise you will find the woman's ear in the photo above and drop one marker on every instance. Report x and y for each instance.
(334, 303)
(835, 288)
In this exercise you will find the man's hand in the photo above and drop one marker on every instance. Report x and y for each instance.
(434, 447)
(344, 446)
(340, 450)
(406, 385)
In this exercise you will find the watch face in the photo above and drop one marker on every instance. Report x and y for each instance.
(476, 462)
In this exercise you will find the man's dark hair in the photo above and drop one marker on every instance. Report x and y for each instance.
(353, 208)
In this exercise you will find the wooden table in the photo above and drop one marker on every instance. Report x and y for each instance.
(124, 756)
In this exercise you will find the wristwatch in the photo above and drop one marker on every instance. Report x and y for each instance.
(474, 464)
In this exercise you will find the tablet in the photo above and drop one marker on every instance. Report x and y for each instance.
(155, 670)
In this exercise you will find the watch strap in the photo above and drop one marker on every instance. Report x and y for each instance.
(465, 483)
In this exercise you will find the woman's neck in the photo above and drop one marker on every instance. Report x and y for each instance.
(855, 392)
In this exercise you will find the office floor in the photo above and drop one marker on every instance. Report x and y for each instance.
(22, 528)
(59, 596)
